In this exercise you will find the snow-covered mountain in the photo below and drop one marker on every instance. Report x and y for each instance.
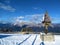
(36, 27)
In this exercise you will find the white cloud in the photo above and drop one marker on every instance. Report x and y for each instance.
(35, 18)
(7, 7)
(35, 8)
(38, 8)
(21, 17)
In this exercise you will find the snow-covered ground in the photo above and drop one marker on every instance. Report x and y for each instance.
(26, 39)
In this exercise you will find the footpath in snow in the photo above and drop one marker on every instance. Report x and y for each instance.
(26, 39)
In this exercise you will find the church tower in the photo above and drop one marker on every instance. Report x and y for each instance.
(46, 18)
(46, 22)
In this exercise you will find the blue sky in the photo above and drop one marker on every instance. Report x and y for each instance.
(12, 10)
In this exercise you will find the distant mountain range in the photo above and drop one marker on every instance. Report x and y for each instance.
(35, 27)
